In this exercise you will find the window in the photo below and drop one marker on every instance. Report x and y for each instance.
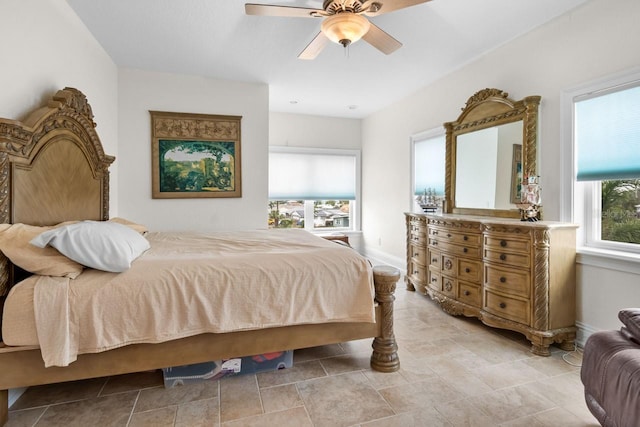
(606, 144)
(428, 164)
(323, 184)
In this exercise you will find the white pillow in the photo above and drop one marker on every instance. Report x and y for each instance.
(102, 245)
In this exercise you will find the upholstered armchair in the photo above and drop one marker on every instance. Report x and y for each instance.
(611, 372)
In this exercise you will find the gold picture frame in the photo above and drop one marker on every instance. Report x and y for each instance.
(516, 174)
(195, 155)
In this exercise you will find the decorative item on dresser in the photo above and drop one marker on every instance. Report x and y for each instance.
(509, 274)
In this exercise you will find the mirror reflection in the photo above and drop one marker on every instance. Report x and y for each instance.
(489, 163)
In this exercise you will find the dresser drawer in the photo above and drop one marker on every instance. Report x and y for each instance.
(442, 283)
(418, 228)
(464, 251)
(446, 235)
(508, 244)
(418, 222)
(418, 237)
(470, 270)
(507, 258)
(510, 281)
(504, 306)
(417, 272)
(435, 280)
(469, 293)
(435, 259)
(418, 254)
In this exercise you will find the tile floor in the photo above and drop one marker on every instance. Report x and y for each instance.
(454, 372)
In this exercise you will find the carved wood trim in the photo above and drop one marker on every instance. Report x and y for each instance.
(458, 224)
(408, 219)
(509, 229)
(540, 295)
(195, 126)
(69, 113)
(486, 108)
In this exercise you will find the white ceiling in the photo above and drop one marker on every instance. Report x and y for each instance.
(214, 38)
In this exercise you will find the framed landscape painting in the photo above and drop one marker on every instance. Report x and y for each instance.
(195, 155)
(516, 174)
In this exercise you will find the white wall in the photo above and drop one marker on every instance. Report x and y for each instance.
(597, 39)
(45, 47)
(301, 130)
(142, 91)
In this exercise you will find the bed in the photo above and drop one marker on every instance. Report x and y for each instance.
(53, 169)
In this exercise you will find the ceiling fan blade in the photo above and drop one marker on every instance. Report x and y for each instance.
(382, 41)
(288, 11)
(315, 47)
(378, 7)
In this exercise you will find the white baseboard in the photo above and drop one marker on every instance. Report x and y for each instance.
(377, 256)
(583, 333)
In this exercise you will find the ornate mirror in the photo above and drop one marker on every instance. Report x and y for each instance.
(489, 149)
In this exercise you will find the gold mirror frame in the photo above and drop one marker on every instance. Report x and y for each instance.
(488, 108)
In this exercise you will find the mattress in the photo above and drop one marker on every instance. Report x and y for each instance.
(192, 283)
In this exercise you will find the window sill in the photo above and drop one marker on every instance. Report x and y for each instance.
(612, 260)
(337, 232)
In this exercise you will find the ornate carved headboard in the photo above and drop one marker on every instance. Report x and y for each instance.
(52, 168)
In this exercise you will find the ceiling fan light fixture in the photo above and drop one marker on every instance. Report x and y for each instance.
(345, 28)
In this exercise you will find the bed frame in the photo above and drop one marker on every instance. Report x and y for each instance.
(53, 169)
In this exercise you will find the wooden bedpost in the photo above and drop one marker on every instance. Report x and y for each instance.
(385, 349)
(4, 407)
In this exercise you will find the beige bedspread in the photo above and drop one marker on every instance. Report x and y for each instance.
(189, 283)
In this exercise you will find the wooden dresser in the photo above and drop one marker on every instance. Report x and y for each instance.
(508, 273)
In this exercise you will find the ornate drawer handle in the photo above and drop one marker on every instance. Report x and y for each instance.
(503, 243)
(503, 279)
(448, 286)
(448, 264)
(467, 270)
(435, 232)
(503, 305)
(435, 243)
(467, 293)
(433, 280)
(448, 234)
(503, 257)
(465, 250)
(434, 260)
(465, 238)
(415, 271)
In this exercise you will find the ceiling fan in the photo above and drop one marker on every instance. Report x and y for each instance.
(343, 22)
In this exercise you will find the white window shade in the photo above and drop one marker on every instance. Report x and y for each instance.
(312, 175)
(607, 133)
